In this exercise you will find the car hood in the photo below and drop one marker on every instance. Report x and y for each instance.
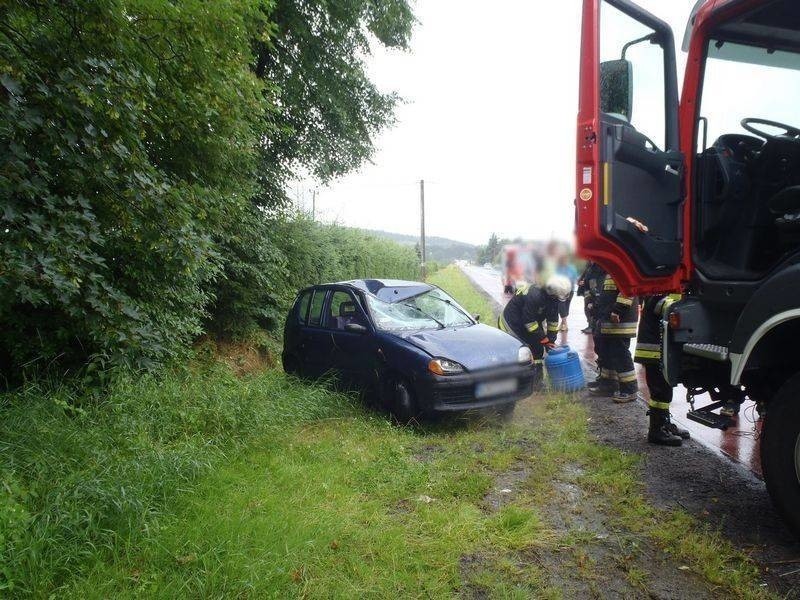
(475, 347)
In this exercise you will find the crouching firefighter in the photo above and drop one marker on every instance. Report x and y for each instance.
(616, 318)
(526, 313)
(662, 430)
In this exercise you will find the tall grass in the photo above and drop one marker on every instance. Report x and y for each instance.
(82, 481)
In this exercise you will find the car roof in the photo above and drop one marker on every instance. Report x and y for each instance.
(387, 290)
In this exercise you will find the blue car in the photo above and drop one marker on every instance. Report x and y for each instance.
(408, 343)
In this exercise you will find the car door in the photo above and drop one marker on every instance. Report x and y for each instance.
(351, 337)
(629, 201)
(316, 346)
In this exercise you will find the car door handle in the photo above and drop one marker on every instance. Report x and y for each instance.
(671, 170)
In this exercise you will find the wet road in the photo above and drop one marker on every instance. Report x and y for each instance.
(738, 443)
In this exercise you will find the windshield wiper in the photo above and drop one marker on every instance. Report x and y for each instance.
(419, 310)
(450, 303)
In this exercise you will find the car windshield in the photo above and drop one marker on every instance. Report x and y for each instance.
(432, 309)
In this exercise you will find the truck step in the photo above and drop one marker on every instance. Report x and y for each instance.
(709, 351)
(706, 417)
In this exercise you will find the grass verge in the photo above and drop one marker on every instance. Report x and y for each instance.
(207, 485)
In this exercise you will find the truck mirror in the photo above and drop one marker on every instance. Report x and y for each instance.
(616, 88)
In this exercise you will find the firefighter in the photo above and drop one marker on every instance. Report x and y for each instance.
(525, 314)
(616, 317)
(588, 283)
(662, 430)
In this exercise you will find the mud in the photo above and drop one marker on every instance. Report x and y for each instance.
(720, 493)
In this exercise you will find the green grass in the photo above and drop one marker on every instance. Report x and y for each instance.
(201, 484)
(452, 280)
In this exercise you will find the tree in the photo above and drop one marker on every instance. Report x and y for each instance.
(311, 58)
(144, 149)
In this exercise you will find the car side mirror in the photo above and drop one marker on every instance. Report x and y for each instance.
(616, 88)
(477, 318)
(355, 328)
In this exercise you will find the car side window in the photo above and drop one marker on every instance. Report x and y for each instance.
(342, 311)
(302, 307)
(315, 314)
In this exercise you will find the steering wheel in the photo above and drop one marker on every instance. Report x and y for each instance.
(791, 132)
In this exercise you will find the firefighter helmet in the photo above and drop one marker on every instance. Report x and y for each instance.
(558, 286)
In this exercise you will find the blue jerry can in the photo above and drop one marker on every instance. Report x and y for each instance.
(564, 370)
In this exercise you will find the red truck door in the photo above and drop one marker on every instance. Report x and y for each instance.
(629, 201)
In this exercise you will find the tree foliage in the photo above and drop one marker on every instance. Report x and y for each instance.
(144, 146)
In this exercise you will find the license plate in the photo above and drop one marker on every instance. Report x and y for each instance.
(495, 388)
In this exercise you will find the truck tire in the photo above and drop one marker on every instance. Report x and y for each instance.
(780, 452)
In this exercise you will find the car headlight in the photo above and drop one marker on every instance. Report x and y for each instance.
(524, 355)
(442, 366)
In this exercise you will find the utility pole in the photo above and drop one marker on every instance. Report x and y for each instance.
(422, 224)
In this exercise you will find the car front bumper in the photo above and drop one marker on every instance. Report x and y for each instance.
(455, 393)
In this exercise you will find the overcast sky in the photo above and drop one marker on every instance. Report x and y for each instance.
(489, 123)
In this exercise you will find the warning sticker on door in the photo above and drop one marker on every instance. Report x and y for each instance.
(586, 194)
(587, 175)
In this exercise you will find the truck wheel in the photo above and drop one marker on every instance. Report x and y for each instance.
(780, 452)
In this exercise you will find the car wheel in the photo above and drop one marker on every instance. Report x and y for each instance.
(291, 365)
(780, 452)
(506, 411)
(403, 403)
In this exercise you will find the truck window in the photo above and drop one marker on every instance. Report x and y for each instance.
(623, 37)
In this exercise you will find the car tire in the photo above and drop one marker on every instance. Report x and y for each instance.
(506, 411)
(780, 452)
(403, 404)
(291, 364)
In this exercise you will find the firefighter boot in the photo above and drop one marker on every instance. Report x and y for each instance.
(660, 432)
(628, 392)
(602, 387)
(677, 430)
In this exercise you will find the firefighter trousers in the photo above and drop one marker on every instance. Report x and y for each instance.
(615, 361)
(660, 390)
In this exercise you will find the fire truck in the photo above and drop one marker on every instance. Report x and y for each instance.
(698, 193)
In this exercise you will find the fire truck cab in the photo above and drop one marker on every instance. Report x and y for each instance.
(700, 194)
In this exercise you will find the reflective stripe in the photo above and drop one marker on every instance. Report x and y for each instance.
(552, 328)
(624, 300)
(660, 405)
(663, 304)
(538, 361)
(643, 346)
(617, 331)
(501, 323)
(608, 374)
(624, 325)
(523, 290)
(653, 354)
(627, 376)
(531, 327)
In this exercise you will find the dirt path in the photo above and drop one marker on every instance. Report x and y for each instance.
(713, 489)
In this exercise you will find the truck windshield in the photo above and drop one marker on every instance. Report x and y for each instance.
(749, 82)
(430, 310)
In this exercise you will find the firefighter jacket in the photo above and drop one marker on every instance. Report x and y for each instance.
(610, 301)
(526, 312)
(648, 340)
(591, 283)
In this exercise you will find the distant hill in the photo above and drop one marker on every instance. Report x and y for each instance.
(440, 249)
